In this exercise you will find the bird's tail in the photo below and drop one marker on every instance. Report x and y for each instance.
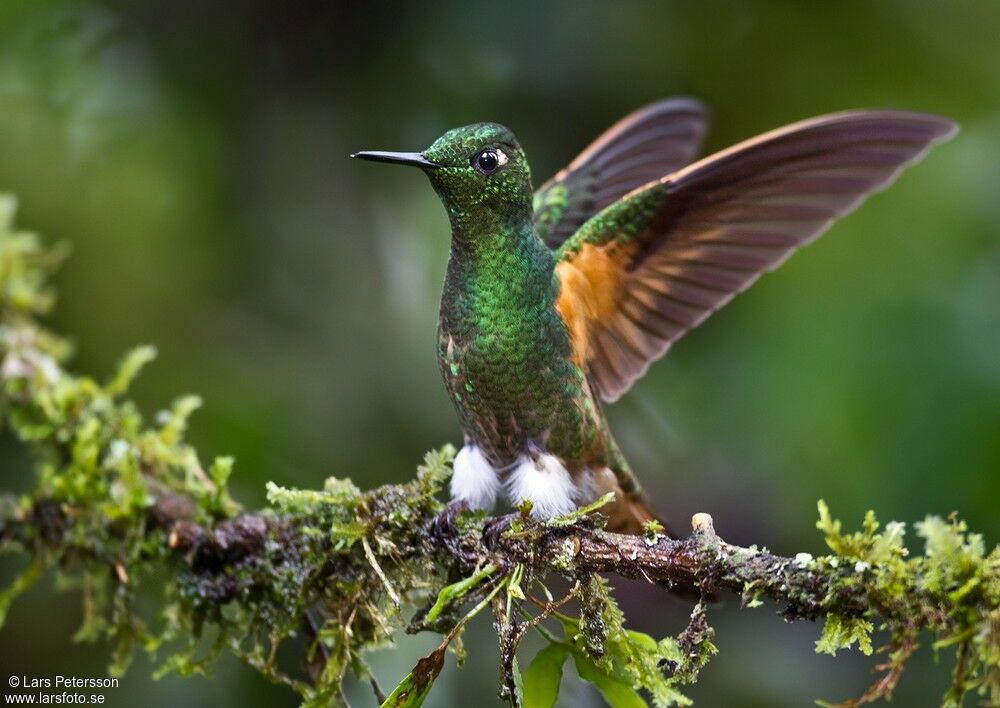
(631, 511)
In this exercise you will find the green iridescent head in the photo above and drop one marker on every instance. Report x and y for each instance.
(479, 165)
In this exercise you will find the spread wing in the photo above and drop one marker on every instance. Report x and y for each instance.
(656, 263)
(643, 146)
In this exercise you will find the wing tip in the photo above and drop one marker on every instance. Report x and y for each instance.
(938, 127)
(948, 128)
(676, 103)
(687, 105)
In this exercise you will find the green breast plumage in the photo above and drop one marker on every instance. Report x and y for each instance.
(505, 353)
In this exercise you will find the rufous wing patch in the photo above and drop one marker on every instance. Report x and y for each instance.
(706, 232)
(590, 286)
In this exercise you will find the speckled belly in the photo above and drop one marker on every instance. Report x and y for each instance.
(514, 399)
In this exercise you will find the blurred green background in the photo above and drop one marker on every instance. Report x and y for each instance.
(194, 155)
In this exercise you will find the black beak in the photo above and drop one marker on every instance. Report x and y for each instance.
(400, 158)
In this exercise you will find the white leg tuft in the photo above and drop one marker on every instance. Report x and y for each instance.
(474, 480)
(546, 484)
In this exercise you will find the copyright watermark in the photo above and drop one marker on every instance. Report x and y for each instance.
(57, 689)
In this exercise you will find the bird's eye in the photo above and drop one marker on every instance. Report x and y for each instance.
(489, 161)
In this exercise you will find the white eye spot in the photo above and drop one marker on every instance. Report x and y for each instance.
(489, 160)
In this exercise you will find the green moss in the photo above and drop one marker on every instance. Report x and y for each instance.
(841, 633)
(951, 592)
(625, 660)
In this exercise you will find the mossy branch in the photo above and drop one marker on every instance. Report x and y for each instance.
(116, 498)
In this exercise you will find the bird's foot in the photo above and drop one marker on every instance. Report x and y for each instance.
(444, 528)
(494, 528)
(443, 525)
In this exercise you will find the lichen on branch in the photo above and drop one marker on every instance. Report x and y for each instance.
(117, 497)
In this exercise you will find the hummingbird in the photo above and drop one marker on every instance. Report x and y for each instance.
(557, 300)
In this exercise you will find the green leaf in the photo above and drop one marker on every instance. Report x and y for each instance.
(577, 514)
(541, 679)
(455, 591)
(412, 690)
(518, 686)
(616, 693)
(23, 581)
